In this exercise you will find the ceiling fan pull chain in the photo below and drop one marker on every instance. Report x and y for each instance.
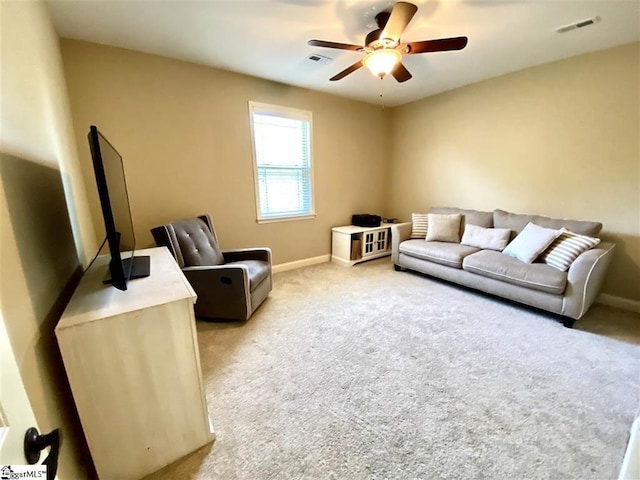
(382, 98)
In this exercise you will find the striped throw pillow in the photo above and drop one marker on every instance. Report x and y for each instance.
(419, 225)
(566, 248)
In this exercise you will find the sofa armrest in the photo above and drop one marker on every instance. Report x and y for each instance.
(241, 254)
(399, 233)
(584, 279)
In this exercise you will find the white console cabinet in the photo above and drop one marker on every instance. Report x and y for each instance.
(351, 244)
(133, 364)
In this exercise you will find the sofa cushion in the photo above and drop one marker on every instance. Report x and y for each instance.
(537, 276)
(475, 217)
(419, 223)
(444, 228)
(517, 221)
(566, 248)
(489, 238)
(450, 254)
(531, 242)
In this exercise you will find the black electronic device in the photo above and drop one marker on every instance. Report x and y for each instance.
(114, 200)
(366, 220)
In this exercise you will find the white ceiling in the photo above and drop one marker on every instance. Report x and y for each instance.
(268, 38)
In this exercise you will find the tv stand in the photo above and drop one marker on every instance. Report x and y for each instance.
(141, 267)
(133, 365)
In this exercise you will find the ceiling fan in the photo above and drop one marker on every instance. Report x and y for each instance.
(383, 48)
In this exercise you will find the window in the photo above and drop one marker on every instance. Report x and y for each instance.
(282, 162)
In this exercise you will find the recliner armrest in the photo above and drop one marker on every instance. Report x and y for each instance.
(224, 289)
(211, 274)
(240, 254)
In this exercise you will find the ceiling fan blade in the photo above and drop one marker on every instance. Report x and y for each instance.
(401, 15)
(347, 71)
(400, 73)
(439, 45)
(341, 46)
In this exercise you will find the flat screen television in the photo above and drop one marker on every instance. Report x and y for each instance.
(114, 200)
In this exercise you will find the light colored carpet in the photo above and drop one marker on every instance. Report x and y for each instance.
(367, 373)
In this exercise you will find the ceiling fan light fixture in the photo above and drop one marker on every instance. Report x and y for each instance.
(381, 62)
(383, 48)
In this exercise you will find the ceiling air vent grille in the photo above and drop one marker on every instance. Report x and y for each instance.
(319, 59)
(577, 25)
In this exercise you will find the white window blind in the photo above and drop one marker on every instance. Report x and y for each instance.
(282, 161)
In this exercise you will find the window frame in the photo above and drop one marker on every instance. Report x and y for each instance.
(290, 113)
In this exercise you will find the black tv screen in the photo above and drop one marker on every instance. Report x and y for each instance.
(114, 200)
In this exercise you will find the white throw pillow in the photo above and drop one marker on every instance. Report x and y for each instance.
(566, 248)
(485, 238)
(419, 225)
(531, 242)
(444, 228)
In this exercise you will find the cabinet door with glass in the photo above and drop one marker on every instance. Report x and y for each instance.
(374, 242)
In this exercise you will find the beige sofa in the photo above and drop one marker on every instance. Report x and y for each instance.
(539, 285)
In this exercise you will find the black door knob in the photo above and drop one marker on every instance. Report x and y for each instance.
(34, 443)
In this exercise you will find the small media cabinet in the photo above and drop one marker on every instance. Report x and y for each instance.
(351, 244)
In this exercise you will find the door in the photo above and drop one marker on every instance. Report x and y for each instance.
(16, 415)
(381, 241)
(368, 244)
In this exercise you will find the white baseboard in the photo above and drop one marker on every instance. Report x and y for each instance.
(305, 262)
(619, 302)
(340, 261)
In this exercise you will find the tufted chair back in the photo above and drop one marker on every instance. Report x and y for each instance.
(192, 241)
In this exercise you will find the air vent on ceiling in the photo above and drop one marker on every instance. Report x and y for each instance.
(581, 24)
(319, 59)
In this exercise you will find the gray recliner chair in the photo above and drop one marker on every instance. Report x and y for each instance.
(230, 284)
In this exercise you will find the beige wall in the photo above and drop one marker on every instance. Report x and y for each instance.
(183, 131)
(560, 139)
(44, 221)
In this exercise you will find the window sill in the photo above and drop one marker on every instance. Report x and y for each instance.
(286, 219)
